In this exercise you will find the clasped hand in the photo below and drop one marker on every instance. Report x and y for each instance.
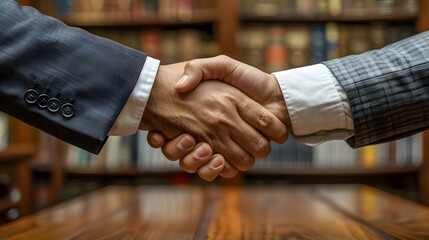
(218, 126)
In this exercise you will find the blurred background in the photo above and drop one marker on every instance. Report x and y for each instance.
(37, 170)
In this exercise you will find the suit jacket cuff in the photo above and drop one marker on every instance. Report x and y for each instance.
(318, 107)
(130, 116)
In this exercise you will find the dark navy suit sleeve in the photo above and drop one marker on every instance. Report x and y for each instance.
(63, 80)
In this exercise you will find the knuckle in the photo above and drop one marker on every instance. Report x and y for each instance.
(220, 119)
(248, 163)
(244, 162)
(223, 57)
(263, 148)
(264, 119)
(191, 64)
(228, 172)
(284, 136)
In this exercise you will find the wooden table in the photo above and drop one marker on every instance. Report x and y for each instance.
(193, 212)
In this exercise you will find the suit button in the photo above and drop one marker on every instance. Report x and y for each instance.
(54, 105)
(31, 96)
(67, 110)
(42, 101)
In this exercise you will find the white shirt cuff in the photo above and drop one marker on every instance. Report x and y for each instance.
(129, 118)
(318, 107)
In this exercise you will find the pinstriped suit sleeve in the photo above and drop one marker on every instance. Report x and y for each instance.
(388, 90)
(93, 74)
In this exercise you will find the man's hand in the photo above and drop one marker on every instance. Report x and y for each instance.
(229, 122)
(258, 85)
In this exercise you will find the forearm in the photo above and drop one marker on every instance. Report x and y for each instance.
(93, 74)
(387, 89)
(129, 119)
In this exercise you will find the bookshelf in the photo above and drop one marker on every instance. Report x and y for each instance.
(15, 181)
(222, 23)
(304, 29)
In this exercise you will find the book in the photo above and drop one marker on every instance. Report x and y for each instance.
(150, 40)
(318, 43)
(298, 40)
(189, 43)
(100, 10)
(332, 39)
(251, 43)
(310, 8)
(4, 131)
(369, 156)
(48, 149)
(276, 50)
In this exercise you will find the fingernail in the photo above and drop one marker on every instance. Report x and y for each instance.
(156, 139)
(201, 152)
(182, 81)
(216, 163)
(184, 143)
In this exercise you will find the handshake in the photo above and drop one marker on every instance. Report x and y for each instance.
(218, 126)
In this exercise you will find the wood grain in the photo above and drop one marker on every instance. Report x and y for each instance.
(280, 213)
(117, 213)
(234, 212)
(390, 214)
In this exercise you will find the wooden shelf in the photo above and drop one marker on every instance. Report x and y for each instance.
(6, 204)
(17, 151)
(131, 172)
(335, 172)
(198, 19)
(46, 169)
(251, 17)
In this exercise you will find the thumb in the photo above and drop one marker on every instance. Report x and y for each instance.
(188, 82)
(215, 68)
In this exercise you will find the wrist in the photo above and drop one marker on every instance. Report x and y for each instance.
(145, 122)
(280, 103)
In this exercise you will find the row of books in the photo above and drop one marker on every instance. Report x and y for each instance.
(4, 131)
(87, 10)
(311, 8)
(338, 154)
(280, 47)
(120, 153)
(169, 46)
(133, 152)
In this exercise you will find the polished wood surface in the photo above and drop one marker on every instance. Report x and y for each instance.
(261, 212)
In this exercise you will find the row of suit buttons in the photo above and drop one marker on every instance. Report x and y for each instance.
(52, 104)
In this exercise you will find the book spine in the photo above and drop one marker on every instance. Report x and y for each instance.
(4, 131)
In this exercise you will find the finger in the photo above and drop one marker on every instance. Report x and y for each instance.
(155, 139)
(249, 139)
(178, 147)
(218, 67)
(212, 168)
(262, 119)
(228, 171)
(235, 155)
(197, 158)
(252, 141)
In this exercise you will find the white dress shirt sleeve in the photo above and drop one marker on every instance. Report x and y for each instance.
(129, 118)
(318, 107)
